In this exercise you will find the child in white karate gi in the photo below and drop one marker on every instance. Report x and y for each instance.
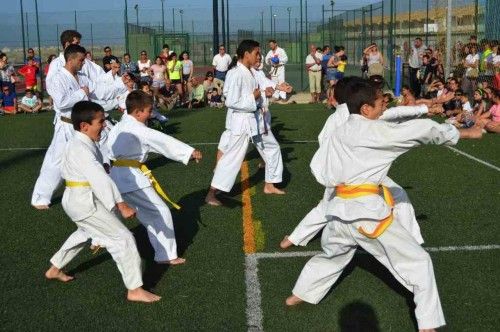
(359, 155)
(91, 199)
(130, 142)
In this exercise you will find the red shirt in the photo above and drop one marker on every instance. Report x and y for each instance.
(29, 73)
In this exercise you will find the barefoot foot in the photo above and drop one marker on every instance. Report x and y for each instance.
(212, 200)
(41, 207)
(57, 274)
(285, 243)
(142, 295)
(177, 261)
(293, 300)
(269, 188)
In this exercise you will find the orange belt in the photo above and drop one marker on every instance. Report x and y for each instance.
(355, 191)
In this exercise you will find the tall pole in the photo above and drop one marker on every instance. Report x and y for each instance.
(391, 41)
(192, 36)
(262, 27)
(223, 13)
(162, 23)
(173, 20)
(383, 28)
(136, 7)
(427, 23)
(289, 9)
(22, 30)
(476, 15)
(182, 20)
(125, 20)
(307, 30)
(274, 25)
(271, 17)
(57, 37)
(371, 24)
(301, 49)
(227, 27)
(215, 18)
(448, 38)
(28, 31)
(323, 24)
(39, 47)
(332, 3)
(409, 22)
(296, 39)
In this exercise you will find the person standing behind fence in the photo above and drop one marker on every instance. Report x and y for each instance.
(471, 64)
(221, 63)
(313, 67)
(415, 62)
(277, 59)
(374, 60)
(327, 53)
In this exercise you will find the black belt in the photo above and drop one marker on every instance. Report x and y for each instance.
(65, 119)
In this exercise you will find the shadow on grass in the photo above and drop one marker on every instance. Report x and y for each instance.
(20, 157)
(358, 317)
(368, 263)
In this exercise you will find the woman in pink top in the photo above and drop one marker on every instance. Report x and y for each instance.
(493, 126)
(158, 74)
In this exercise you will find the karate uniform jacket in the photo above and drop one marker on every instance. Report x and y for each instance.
(132, 140)
(82, 162)
(277, 69)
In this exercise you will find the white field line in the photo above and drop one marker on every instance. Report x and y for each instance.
(474, 158)
(254, 313)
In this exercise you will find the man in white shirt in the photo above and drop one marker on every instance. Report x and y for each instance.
(221, 63)
(130, 142)
(246, 123)
(417, 52)
(313, 66)
(91, 199)
(277, 59)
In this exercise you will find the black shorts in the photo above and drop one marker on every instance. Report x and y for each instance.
(175, 81)
(185, 78)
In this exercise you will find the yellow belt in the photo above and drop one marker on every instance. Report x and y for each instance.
(354, 191)
(146, 171)
(77, 184)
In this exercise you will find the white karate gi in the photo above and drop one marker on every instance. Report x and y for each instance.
(351, 158)
(133, 140)
(245, 122)
(89, 68)
(316, 219)
(93, 211)
(66, 92)
(277, 71)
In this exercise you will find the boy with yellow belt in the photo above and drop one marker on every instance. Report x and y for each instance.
(358, 157)
(130, 143)
(91, 200)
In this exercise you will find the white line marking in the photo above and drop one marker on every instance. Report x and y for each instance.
(474, 158)
(254, 308)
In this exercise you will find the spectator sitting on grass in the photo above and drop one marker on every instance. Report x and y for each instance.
(30, 103)
(408, 97)
(8, 101)
(197, 96)
(155, 113)
(214, 99)
(167, 95)
(493, 126)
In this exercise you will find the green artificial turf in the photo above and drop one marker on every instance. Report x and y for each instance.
(456, 201)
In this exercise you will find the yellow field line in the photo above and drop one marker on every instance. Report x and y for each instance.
(248, 227)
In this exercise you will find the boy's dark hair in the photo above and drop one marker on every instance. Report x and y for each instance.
(137, 100)
(426, 56)
(343, 57)
(142, 84)
(325, 47)
(28, 90)
(126, 54)
(30, 58)
(360, 92)
(84, 112)
(166, 46)
(72, 50)
(272, 41)
(107, 48)
(67, 36)
(246, 45)
(340, 89)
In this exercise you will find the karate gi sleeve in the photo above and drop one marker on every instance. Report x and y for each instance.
(401, 113)
(54, 67)
(237, 100)
(166, 145)
(404, 136)
(268, 58)
(63, 98)
(283, 57)
(101, 184)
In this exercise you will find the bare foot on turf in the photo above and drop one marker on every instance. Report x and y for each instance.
(285, 243)
(57, 274)
(211, 199)
(41, 207)
(293, 300)
(177, 261)
(141, 295)
(269, 188)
